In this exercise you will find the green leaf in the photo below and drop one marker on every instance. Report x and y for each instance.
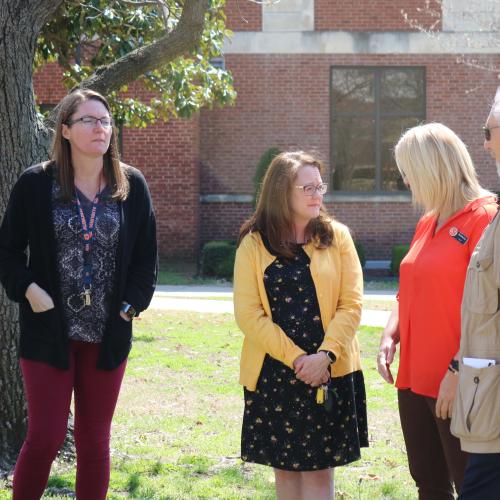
(84, 35)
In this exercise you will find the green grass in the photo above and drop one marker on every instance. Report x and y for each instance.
(183, 273)
(379, 304)
(176, 431)
(389, 284)
(197, 297)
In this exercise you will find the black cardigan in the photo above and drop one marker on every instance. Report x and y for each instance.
(28, 223)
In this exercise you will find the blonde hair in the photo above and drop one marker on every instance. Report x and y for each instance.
(273, 217)
(438, 168)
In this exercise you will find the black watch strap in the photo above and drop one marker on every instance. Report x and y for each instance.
(330, 356)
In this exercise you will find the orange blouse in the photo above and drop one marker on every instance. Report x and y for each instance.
(432, 277)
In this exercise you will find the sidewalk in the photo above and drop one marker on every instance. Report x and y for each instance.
(218, 300)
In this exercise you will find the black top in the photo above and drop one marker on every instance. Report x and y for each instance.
(28, 222)
(86, 323)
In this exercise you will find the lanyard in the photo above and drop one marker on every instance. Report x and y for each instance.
(88, 237)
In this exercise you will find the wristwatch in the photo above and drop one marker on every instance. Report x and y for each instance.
(454, 366)
(331, 357)
(129, 311)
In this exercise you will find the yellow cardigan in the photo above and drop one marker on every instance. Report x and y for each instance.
(338, 280)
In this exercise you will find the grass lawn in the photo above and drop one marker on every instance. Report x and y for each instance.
(177, 426)
(185, 273)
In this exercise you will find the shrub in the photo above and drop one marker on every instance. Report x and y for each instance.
(217, 258)
(398, 254)
(260, 171)
(361, 252)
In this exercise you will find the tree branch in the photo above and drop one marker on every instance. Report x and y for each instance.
(144, 3)
(183, 38)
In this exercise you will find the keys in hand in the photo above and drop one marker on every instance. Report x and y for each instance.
(322, 394)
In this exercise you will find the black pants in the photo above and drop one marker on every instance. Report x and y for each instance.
(482, 477)
(434, 455)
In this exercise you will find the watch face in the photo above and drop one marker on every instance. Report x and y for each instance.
(129, 310)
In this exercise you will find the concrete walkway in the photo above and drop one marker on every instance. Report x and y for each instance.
(215, 299)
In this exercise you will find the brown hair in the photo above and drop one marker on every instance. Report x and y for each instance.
(60, 155)
(273, 216)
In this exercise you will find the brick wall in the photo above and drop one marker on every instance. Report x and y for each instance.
(47, 83)
(379, 226)
(283, 101)
(350, 15)
(243, 15)
(367, 15)
(167, 154)
(372, 224)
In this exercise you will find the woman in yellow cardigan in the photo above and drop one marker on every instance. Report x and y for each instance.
(297, 299)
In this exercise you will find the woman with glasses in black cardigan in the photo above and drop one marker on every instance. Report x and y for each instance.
(88, 224)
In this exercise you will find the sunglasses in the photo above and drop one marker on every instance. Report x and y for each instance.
(487, 132)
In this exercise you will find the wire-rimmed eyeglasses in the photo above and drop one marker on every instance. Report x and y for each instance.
(310, 189)
(91, 121)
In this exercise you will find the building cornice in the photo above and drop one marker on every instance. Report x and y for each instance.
(353, 42)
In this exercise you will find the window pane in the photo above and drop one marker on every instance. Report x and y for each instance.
(391, 130)
(353, 90)
(402, 91)
(353, 154)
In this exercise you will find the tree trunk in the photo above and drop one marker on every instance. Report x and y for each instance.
(23, 142)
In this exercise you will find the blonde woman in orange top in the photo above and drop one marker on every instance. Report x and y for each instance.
(437, 168)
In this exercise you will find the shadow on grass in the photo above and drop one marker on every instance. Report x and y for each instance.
(147, 339)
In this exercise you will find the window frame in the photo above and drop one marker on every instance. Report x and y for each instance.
(377, 117)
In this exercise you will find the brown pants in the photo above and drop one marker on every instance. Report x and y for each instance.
(434, 455)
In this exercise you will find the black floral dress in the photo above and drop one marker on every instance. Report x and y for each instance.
(283, 425)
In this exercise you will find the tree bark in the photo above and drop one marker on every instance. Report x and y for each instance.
(23, 142)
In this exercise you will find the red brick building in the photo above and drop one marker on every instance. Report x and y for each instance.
(341, 78)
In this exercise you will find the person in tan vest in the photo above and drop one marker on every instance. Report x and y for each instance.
(476, 413)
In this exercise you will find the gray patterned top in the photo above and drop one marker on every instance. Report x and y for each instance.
(86, 323)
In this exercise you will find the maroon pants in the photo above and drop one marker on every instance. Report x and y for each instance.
(434, 455)
(48, 393)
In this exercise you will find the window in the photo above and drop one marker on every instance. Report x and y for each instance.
(370, 108)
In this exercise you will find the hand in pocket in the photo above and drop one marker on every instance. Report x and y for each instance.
(39, 299)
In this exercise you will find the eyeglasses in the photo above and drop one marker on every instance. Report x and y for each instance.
(487, 132)
(310, 189)
(91, 121)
